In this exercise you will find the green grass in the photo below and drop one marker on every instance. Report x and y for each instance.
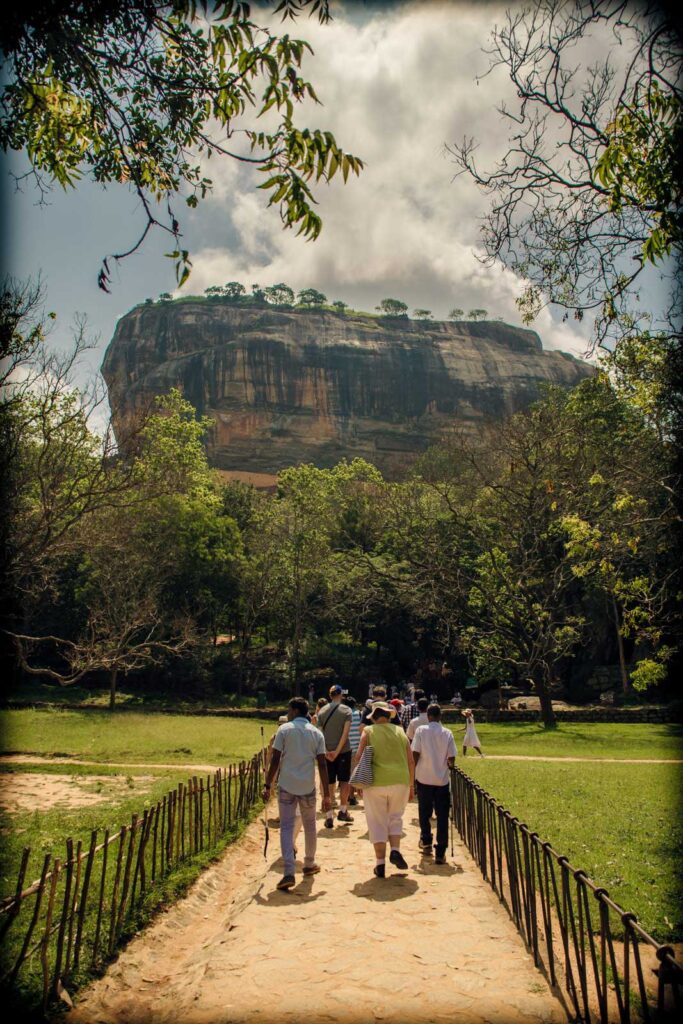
(105, 738)
(131, 737)
(579, 739)
(619, 823)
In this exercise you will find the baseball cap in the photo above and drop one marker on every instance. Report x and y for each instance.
(335, 690)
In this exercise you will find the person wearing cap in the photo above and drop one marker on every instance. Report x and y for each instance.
(297, 747)
(334, 722)
(434, 753)
(392, 784)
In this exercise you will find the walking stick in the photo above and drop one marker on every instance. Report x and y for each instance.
(451, 816)
(265, 816)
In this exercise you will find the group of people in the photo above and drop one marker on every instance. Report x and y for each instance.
(412, 753)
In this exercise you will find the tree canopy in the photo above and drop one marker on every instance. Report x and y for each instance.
(144, 94)
(588, 192)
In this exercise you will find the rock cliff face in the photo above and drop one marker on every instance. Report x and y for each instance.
(289, 386)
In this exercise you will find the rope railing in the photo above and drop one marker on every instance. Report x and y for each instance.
(584, 941)
(70, 920)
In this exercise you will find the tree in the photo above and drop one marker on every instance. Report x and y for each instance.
(311, 297)
(147, 573)
(233, 290)
(165, 296)
(588, 193)
(392, 307)
(423, 314)
(456, 314)
(477, 314)
(340, 306)
(257, 293)
(143, 94)
(280, 295)
(213, 290)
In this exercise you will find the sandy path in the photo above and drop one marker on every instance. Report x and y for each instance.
(431, 946)
(39, 759)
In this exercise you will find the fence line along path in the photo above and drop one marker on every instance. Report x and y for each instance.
(430, 945)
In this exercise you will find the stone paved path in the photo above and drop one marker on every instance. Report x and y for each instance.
(429, 946)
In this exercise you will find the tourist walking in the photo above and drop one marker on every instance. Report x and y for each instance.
(321, 703)
(297, 746)
(470, 739)
(354, 740)
(392, 786)
(410, 711)
(421, 719)
(334, 721)
(434, 754)
(377, 695)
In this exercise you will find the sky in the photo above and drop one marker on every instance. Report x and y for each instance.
(398, 84)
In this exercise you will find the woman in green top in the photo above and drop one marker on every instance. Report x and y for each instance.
(393, 780)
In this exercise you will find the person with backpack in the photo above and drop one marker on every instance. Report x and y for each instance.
(334, 722)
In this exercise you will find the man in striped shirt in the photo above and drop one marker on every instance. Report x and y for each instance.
(354, 737)
(411, 711)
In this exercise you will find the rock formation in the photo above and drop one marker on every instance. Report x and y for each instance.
(286, 386)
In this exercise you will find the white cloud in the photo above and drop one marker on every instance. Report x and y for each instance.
(396, 88)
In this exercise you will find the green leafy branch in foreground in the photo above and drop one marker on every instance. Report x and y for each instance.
(143, 94)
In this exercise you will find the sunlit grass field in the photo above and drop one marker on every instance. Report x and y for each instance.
(621, 823)
(108, 739)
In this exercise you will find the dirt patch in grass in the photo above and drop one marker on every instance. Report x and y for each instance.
(33, 791)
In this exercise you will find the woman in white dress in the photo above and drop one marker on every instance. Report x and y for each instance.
(470, 739)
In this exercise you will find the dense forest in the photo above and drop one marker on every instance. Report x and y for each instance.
(531, 555)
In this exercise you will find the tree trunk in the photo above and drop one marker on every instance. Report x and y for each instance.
(542, 686)
(625, 681)
(112, 687)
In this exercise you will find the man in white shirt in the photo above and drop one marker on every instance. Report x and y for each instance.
(434, 754)
(421, 719)
(297, 747)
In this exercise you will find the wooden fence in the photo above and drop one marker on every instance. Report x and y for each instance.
(71, 919)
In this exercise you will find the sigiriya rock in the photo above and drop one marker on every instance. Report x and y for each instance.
(285, 386)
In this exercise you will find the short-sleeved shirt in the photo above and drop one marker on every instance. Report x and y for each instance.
(435, 744)
(331, 723)
(389, 761)
(416, 723)
(299, 744)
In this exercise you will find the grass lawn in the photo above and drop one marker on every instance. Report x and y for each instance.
(131, 737)
(43, 824)
(579, 739)
(104, 737)
(620, 823)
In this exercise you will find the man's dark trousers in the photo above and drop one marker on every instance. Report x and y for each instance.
(434, 800)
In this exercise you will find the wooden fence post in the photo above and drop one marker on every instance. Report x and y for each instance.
(115, 891)
(64, 919)
(16, 905)
(84, 897)
(103, 877)
(45, 941)
(34, 920)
